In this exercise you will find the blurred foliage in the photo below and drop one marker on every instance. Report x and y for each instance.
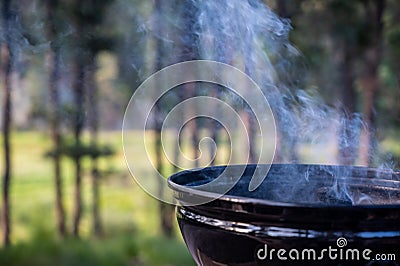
(74, 151)
(120, 29)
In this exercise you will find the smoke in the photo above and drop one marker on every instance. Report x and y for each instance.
(249, 36)
(252, 38)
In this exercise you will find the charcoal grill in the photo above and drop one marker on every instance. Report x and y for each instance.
(298, 207)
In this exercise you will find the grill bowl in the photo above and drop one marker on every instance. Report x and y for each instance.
(297, 206)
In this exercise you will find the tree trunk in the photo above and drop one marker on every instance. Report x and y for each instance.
(397, 115)
(166, 213)
(370, 80)
(177, 149)
(166, 210)
(190, 52)
(282, 8)
(370, 85)
(7, 117)
(348, 143)
(250, 127)
(190, 91)
(213, 127)
(78, 126)
(54, 115)
(395, 55)
(93, 112)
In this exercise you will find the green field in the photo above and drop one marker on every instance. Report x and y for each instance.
(130, 217)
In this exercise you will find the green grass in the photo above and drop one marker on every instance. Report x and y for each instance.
(130, 216)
